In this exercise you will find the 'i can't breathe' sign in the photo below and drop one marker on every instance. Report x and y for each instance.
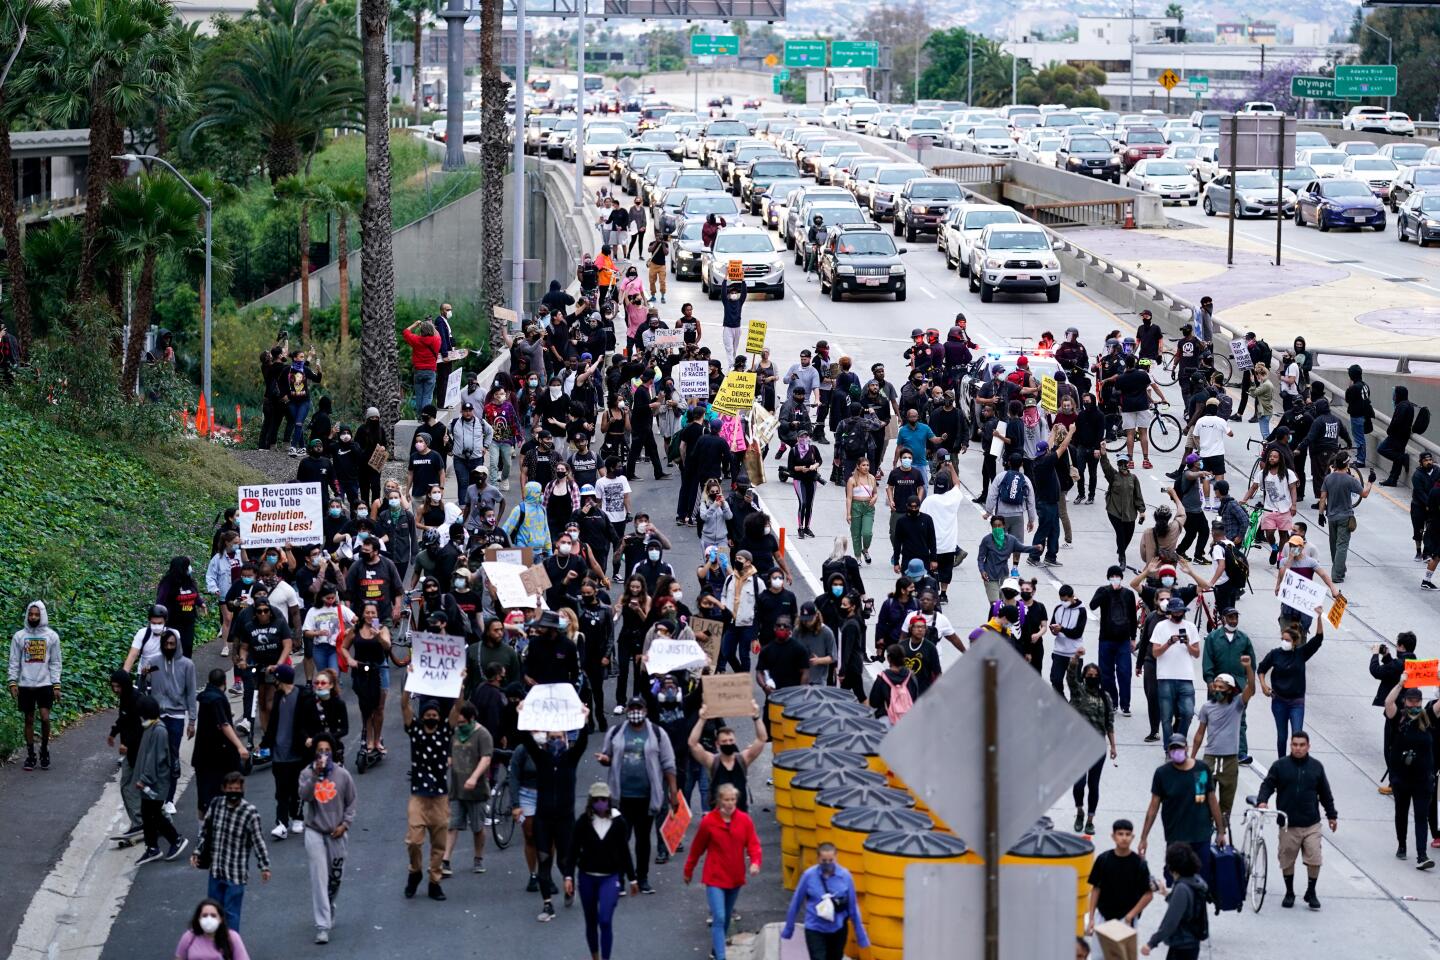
(275, 514)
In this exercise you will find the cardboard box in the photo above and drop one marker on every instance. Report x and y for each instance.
(1118, 940)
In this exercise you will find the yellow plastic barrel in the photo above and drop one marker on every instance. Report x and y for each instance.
(819, 726)
(786, 765)
(886, 855)
(815, 708)
(850, 828)
(865, 742)
(807, 785)
(1044, 846)
(894, 780)
(777, 701)
(831, 801)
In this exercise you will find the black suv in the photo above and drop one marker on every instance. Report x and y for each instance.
(861, 258)
(1089, 155)
(923, 203)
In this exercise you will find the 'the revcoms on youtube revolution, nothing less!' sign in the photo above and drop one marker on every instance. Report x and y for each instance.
(276, 514)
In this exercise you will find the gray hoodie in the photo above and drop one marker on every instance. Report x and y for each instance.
(35, 652)
(326, 815)
(172, 684)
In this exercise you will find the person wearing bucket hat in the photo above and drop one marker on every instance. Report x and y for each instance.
(597, 862)
(551, 657)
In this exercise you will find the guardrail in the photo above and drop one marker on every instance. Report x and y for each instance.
(1086, 213)
(990, 171)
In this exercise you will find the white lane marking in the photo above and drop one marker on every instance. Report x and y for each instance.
(926, 291)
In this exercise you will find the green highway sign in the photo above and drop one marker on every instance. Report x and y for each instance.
(1312, 88)
(854, 53)
(782, 74)
(1199, 84)
(804, 53)
(1366, 80)
(776, 83)
(714, 45)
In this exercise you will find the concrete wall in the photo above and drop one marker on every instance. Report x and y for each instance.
(680, 88)
(1336, 135)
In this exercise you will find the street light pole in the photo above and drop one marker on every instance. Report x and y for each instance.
(205, 364)
(1130, 103)
(1389, 52)
(517, 252)
(580, 108)
(970, 70)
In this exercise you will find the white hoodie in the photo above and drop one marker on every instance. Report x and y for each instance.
(35, 652)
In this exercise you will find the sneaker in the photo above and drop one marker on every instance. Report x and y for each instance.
(1124, 713)
(30, 760)
(662, 298)
(1418, 558)
(1079, 820)
(652, 299)
(1152, 738)
(279, 832)
(1090, 499)
(1079, 498)
(45, 762)
(646, 888)
(547, 913)
(618, 711)
(662, 857)
(225, 650)
(1053, 562)
(169, 808)
(445, 870)
(1089, 830)
(297, 826)
(322, 935)
(435, 893)
(624, 888)
(1423, 862)
(1245, 760)
(412, 883)
(534, 885)
(1311, 901)
(1428, 585)
(177, 848)
(150, 855)
(1289, 900)
(242, 725)
(1400, 853)
(479, 865)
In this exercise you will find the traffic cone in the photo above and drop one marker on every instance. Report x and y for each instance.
(202, 418)
(239, 424)
(185, 417)
(1129, 216)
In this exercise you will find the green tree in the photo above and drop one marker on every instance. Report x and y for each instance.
(1176, 11)
(288, 82)
(343, 200)
(1415, 33)
(304, 192)
(379, 352)
(413, 15)
(151, 217)
(947, 75)
(19, 18)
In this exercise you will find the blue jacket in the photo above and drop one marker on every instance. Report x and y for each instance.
(811, 888)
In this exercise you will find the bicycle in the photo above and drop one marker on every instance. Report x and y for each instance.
(1252, 848)
(1168, 373)
(1165, 430)
(503, 800)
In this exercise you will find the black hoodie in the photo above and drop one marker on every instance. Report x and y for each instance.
(127, 721)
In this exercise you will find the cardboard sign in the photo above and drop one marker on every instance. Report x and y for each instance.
(1241, 355)
(692, 378)
(668, 656)
(551, 706)
(1422, 673)
(452, 387)
(1049, 394)
(438, 661)
(735, 270)
(672, 831)
(1118, 940)
(668, 339)
(728, 695)
(755, 336)
(379, 458)
(520, 556)
(708, 634)
(736, 394)
(507, 581)
(1303, 595)
(763, 424)
(276, 514)
(1337, 612)
(535, 579)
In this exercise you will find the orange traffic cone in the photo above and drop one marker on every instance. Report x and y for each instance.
(239, 424)
(1129, 216)
(202, 418)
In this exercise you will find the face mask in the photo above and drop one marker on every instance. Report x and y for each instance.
(1220, 695)
(1230, 628)
(565, 549)
(344, 438)
(654, 555)
(906, 462)
(323, 693)
(828, 869)
(394, 502)
(589, 599)
(729, 749)
(533, 384)
(600, 806)
(636, 717)
(555, 747)
(769, 531)
(435, 497)
(233, 797)
(677, 595)
(837, 589)
(169, 652)
(247, 580)
(1413, 711)
(1177, 755)
(430, 723)
(777, 582)
(1027, 594)
(1167, 581)
(234, 550)
(782, 633)
(334, 511)
(554, 393)
(324, 755)
(209, 924)
(362, 512)
(1092, 683)
(1116, 581)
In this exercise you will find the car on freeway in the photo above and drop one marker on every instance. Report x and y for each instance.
(861, 259)
(666, 140)
(685, 250)
(759, 174)
(1203, 120)
(1296, 175)
(1183, 135)
(1357, 148)
(629, 156)
(773, 201)
(990, 141)
(1413, 180)
(1207, 162)
(1338, 202)
(755, 249)
(698, 178)
(1404, 154)
(1377, 171)
(834, 211)
(1364, 120)
(1169, 126)
(1064, 121)
(859, 116)
(1088, 155)
(599, 146)
(833, 116)
(1305, 139)
(1257, 194)
(717, 130)
(1419, 218)
(1171, 180)
(1328, 162)
(554, 145)
(828, 153)
(844, 165)
(1140, 143)
(741, 157)
(963, 226)
(1039, 146)
(639, 173)
(1186, 153)
(796, 201)
(1258, 106)
(922, 204)
(657, 178)
(921, 125)
(754, 103)
(862, 171)
(805, 144)
(880, 190)
(1399, 124)
(879, 124)
(666, 212)
(723, 205)
(537, 131)
(1014, 258)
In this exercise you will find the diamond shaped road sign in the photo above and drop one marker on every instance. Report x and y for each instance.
(938, 747)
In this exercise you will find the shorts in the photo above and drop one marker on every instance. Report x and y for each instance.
(1302, 842)
(36, 698)
(1277, 520)
(1215, 464)
(467, 815)
(309, 644)
(526, 803)
(1134, 420)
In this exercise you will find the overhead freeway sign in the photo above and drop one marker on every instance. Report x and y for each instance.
(1312, 88)
(1366, 80)
(714, 45)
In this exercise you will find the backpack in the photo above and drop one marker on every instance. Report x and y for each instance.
(1237, 567)
(1422, 421)
(589, 277)
(900, 699)
(856, 441)
(1197, 922)
(1012, 488)
(1227, 405)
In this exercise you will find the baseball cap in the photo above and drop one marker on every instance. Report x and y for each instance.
(599, 790)
(1226, 679)
(467, 405)
(1123, 458)
(1213, 402)
(1176, 740)
(285, 673)
(588, 491)
(807, 609)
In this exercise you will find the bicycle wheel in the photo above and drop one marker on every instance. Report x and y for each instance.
(1225, 364)
(502, 824)
(1259, 872)
(1116, 445)
(1163, 374)
(1256, 470)
(1165, 432)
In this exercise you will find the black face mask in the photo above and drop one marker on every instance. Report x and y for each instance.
(729, 749)
(233, 797)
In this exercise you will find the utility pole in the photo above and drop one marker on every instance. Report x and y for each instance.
(1389, 52)
(579, 107)
(970, 70)
(517, 245)
(1014, 77)
(455, 15)
(1130, 103)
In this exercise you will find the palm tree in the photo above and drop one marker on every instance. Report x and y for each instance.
(304, 192)
(20, 15)
(493, 154)
(152, 216)
(343, 199)
(288, 82)
(414, 14)
(379, 383)
(1176, 11)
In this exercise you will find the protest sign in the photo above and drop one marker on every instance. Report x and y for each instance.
(536, 580)
(1422, 673)
(692, 378)
(735, 270)
(279, 514)
(1337, 612)
(551, 706)
(508, 581)
(763, 425)
(1301, 594)
(707, 634)
(379, 458)
(727, 695)
(1049, 394)
(1118, 940)
(736, 394)
(672, 831)
(667, 656)
(439, 660)
(997, 440)
(452, 387)
(668, 339)
(516, 555)
(755, 336)
(1241, 355)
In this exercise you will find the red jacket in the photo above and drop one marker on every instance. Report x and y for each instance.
(727, 844)
(424, 351)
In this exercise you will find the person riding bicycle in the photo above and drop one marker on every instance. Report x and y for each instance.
(815, 239)
(1149, 338)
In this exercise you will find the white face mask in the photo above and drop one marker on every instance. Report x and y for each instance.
(677, 595)
(654, 555)
(565, 549)
(554, 393)
(209, 924)
(1116, 581)
(461, 583)
(769, 531)
(434, 498)
(777, 582)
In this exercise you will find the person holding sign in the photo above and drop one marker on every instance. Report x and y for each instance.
(726, 836)
(1286, 684)
(729, 766)
(1412, 761)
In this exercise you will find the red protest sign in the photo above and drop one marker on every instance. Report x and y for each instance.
(1422, 673)
(673, 830)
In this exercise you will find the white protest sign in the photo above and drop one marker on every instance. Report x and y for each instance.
(1241, 355)
(1301, 594)
(997, 440)
(438, 662)
(692, 378)
(452, 387)
(551, 706)
(507, 579)
(668, 339)
(276, 514)
(763, 424)
(667, 656)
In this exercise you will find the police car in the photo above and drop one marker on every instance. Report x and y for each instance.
(1040, 365)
